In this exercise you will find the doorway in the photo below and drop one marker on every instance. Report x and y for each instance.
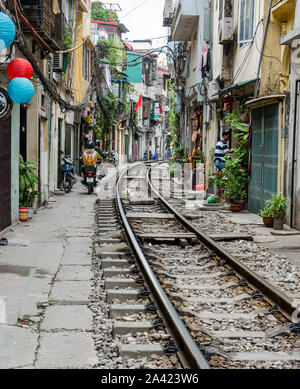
(264, 164)
(5, 173)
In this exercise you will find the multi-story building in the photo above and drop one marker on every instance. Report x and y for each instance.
(148, 82)
(291, 42)
(229, 52)
(55, 37)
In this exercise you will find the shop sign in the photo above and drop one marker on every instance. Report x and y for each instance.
(6, 104)
(156, 111)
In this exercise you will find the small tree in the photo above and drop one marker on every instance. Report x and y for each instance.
(102, 14)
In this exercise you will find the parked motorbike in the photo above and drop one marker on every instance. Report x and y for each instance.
(67, 174)
(114, 158)
(90, 178)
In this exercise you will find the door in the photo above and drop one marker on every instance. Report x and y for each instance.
(68, 141)
(295, 171)
(264, 156)
(59, 157)
(127, 148)
(5, 174)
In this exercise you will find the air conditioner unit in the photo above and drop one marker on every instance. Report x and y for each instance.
(226, 29)
(6, 56)
(58, 62)
(168, 13)
(213, 90)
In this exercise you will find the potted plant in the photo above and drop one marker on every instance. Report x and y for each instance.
(218, 180)
(235, 183)
(27, 183)
(267, 214)
(279, 206)
(31, 200)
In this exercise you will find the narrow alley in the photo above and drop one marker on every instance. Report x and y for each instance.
(149, 189)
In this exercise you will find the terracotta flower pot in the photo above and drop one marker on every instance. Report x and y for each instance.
(23, 214)
(268, 221)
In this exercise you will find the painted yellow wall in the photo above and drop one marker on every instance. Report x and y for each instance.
(80, 85)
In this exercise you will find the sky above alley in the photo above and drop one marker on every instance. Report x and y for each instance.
(144, 19)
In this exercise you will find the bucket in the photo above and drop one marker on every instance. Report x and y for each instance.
(23, 214)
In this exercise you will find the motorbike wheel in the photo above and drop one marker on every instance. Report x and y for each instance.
(67, 184)
(90, 188)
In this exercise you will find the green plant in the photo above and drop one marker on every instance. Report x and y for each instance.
(278, 203)
(267, 211)
(27, 182)
(235, 180)
(114, 52)
(218, 180)
(102, 14)
(68, 44)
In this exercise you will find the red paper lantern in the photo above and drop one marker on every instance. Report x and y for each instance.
(19, 67)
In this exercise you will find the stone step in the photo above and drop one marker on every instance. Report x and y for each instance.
(121, 294)
(136, 351)
(125, 327)
(121, 310)
(122, 283)
(116, 262)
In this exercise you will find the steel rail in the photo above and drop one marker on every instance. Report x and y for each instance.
(185, 341)
(271, 292)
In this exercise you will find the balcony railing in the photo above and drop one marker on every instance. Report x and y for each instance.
(43, 20)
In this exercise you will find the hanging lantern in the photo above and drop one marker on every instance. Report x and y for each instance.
(7, 31)
(19, 67)
(21, 90)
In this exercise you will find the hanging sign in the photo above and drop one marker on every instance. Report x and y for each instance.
(6, 104)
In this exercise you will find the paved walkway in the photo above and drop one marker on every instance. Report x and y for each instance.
(45, 282)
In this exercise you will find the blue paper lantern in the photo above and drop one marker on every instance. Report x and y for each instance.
(21, 90)
(7, 31)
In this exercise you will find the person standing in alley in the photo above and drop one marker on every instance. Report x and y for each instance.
(221, 151)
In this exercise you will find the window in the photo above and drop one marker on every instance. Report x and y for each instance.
(86, 63)
(246, 21)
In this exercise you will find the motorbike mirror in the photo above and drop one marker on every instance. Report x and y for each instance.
(61, 152)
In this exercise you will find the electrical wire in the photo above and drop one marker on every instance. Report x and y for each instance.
(18, 11)
(20, 42)
(130, 12)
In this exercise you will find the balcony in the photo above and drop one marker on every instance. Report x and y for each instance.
(283, 10)
(185, 20)
(84, 5)
(43, 20)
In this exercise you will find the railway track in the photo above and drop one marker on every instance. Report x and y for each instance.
(176, 292)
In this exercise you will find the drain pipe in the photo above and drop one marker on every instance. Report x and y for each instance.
(294, 149)
(262, 49)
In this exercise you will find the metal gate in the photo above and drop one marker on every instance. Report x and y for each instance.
(264, 165)
(5, 174)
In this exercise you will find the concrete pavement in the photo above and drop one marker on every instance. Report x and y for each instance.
(45, 282)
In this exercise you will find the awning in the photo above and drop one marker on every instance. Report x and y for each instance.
(266, 100)
(290, 36)
(238, 85)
